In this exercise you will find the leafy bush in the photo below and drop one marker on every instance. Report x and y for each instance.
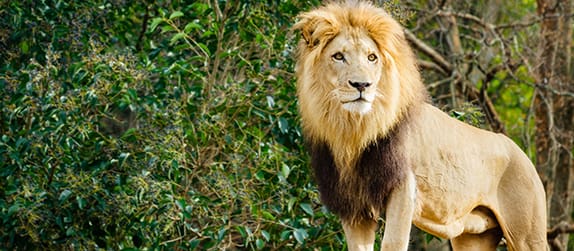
(191, 142)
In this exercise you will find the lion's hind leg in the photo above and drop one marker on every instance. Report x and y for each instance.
(487, 241)
(479, 220)
(523, 219)
(524, 225)
(522, 206)
(481, 231)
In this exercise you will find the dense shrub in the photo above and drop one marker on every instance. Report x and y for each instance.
(184, 136)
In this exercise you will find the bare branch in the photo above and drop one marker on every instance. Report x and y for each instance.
(440, 82)
(522, 24)
(424, 48)
(466, 16)
(473, 93)
(491, 114)
(554, 91)
(429, 65)
(560, 228)
(143, 30)
(488, 107)
(490, 26)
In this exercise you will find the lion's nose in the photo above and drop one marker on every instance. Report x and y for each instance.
(361, 86)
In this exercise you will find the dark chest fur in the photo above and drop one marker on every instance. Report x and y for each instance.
(378, 170)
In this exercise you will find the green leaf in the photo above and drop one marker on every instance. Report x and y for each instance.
(283, 125)
(266, 235)
(259, 243)
(122, 158)
(188, 210)
(285, 235)
(13, 209)
(192, 26)
(166, 28)
(242, 231)
(221, 234)
(290, 203)
(81, 202)
(307, 208)
(193, 244)
(204, 48)
(300, 235)
(181, 204)
(176, 37)
(64, 195)
(71, 231)
(285, 170)
(175, 15)
(130, 135)
(267, 215)
(154, 23)
(24, 47)
(260, 175)
(270, 102)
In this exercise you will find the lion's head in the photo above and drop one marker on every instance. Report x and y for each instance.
(356, 76)
(351, 69)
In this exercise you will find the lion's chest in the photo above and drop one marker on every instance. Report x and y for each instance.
(366, 187)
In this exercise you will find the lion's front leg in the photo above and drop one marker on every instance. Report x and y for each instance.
(360, 235)
(399, 216)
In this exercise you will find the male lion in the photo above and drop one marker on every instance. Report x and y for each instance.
(378, 147)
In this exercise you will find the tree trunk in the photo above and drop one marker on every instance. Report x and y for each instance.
(554, 111)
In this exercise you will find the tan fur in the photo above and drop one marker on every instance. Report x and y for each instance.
(471, 185)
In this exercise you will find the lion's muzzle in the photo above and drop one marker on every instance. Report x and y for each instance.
(360, 86)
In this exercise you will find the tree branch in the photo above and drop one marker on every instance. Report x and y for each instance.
(144, 29)
(468, 17)
(430, 65)
(427, 50)
(560, 228)
(488, 107)
(439, 62)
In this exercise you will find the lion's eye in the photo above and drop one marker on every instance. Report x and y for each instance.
(372, 57)
(338, 56)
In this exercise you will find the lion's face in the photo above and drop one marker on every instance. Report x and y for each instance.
(352, 68)
(356, 76)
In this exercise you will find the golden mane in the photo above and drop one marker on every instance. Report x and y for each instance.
(347, 133)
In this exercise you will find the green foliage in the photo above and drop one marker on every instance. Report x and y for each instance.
(513, 108)
(469, 114)
(192, 142)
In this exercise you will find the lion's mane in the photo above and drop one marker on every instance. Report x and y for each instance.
(323, 120)
(347, 148)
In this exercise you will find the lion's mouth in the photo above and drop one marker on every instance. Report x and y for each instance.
(359, 99)
(360, 103)
(362, 98)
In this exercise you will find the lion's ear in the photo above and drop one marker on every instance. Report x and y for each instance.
(306, 25)
(315, 26)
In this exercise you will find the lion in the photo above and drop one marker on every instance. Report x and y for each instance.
(378, 146)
